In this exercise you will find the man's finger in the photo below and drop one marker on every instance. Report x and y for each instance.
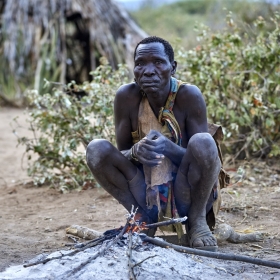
(147, 145)
(152, 163)
(153, 134)
(150, 156)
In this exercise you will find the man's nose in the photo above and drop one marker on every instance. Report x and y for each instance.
(149, 70)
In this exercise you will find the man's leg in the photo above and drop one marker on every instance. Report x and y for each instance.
(196, 177)
(118, 176)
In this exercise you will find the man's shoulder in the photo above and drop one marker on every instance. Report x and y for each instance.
(127, 90)
(188, 93)
(128, 94)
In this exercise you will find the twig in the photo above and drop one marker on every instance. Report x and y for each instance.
(129, 254)
(166, 223)
(216, 255)
(144, 260)
(245, 216)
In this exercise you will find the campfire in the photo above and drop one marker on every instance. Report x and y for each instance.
(81, 261)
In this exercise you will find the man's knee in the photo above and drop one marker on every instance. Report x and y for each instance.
(204, 149)
(97, 151)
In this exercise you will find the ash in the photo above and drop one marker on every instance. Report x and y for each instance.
(150, 262)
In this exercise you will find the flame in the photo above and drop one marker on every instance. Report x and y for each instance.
(136, 227)
(133, 224)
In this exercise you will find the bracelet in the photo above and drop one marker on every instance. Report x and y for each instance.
(132, 153)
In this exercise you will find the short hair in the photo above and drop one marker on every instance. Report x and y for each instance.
(154, 39)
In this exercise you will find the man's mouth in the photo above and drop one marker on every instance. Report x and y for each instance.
(149, 82)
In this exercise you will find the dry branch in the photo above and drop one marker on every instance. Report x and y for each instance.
(83, 232)
(129, 254)
(215, 255)
(144, 260)
(166, 223)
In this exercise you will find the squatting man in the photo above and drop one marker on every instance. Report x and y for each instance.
(166, 163)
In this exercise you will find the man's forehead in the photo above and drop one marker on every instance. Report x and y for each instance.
(151, 48)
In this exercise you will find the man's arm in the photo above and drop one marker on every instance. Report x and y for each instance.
(122, 122)
(189, 100)
(196, 121)
(125, 112)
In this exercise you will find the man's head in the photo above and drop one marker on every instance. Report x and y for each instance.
(154, 39)
(154, 65)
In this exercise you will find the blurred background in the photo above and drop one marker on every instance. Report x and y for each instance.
(63, 40)
(176, 20)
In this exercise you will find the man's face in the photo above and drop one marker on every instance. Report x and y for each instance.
(152, 68)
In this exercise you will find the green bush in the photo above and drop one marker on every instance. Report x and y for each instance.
(237, 73)
(64, 122)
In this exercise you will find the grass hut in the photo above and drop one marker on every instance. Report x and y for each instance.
(62, 40)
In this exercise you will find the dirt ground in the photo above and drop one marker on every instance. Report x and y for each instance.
(33, 220)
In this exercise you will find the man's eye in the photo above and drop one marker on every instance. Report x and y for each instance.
(158, 61)
(139, 63)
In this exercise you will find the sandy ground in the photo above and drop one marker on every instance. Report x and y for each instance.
(33, 220)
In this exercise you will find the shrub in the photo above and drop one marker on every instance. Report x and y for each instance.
(64, 122)
(238, 72)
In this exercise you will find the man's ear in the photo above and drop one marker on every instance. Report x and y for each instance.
(174, 67)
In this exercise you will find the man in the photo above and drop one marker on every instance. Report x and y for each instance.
(163, 142)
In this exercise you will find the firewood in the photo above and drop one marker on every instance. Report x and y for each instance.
(129, 255)
(215, 255)
(133, 226)
(83, 232)
(166, 223)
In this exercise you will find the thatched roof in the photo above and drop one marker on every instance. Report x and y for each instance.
(66, 37)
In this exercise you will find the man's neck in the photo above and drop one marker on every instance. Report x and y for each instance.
(158, 99)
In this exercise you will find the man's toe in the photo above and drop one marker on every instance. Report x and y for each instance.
(207, 242)
(198, 243)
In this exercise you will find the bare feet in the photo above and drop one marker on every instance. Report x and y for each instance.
(200, 236)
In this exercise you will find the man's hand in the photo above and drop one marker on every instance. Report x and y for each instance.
(149, 150)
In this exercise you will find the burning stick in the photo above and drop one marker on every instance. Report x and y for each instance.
(166, 223)
(129, 254)
(216, 255)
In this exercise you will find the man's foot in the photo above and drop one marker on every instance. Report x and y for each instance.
(200, 237)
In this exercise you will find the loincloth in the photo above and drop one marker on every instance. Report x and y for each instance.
(166, 205)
